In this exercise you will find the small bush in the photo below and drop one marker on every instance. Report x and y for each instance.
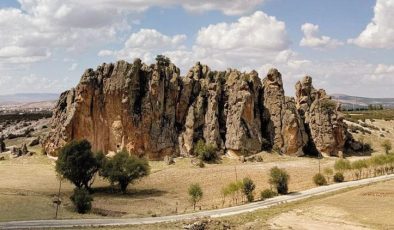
(279, 178)
(201, 164)
(82, 200)
(267, 193)
(319, 179)
(338, 177)
(205, 152)
(195, 193)
(248, 187)
(328, 104)
(386, 145)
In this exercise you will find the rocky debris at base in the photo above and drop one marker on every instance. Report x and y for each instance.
(208, 224)
(35, 141)
(21, 151)
(169, 160)
(151, 110)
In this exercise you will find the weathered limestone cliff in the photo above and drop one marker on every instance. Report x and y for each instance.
(153, 111)
(322, 119)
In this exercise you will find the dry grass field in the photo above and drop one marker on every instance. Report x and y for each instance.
(368, 207)
(28, 185)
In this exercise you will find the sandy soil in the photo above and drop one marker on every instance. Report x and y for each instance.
(317, 217)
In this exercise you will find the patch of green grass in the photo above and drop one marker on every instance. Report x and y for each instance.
(354, 116)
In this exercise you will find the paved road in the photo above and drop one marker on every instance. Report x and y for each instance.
(211, 213)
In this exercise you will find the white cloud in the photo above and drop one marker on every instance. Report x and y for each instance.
(313, 39)
(30, 83)
(379, 33)
(258, 31)
(146, 44)
(245, 44)
(73, 67)
(232, 7)
(103, 53)
(384, 69)
(355, 77)
(31, 33)
(152, 39)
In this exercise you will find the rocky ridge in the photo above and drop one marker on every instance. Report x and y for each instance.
(152, 111)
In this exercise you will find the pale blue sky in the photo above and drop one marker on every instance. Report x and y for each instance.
(46, 45)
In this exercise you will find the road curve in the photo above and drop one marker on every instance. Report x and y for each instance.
(250, 207)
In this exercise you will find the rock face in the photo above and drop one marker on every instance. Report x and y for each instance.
(153, 111)
(284, 126)
(322, 119)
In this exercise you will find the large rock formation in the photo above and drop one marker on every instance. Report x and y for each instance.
(322, 119)
(153, 111)
(284, 126)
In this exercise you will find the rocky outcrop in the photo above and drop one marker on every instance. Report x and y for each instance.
(322, 119)
(153, 111)
(284, 126)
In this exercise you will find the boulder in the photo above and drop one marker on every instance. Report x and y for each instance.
(169, 160)
(34, 141)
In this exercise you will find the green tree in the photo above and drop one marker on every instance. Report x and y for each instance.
(124, 169)
(248, 187)
(82, 200)
(386, 144)
(234, 189)
(195, 193)
(163, 60)
(77, 163)
(205, 152)
(279, 178)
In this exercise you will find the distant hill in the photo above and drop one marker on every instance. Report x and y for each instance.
(362, 102)
(27, 98)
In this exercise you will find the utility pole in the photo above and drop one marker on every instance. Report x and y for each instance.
(236, 176)
(58, 201)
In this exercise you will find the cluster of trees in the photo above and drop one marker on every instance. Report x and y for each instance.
(375, 107)
(370, 107)
(363, 168)
(239, 190)
(244, 190)
(78, 164)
